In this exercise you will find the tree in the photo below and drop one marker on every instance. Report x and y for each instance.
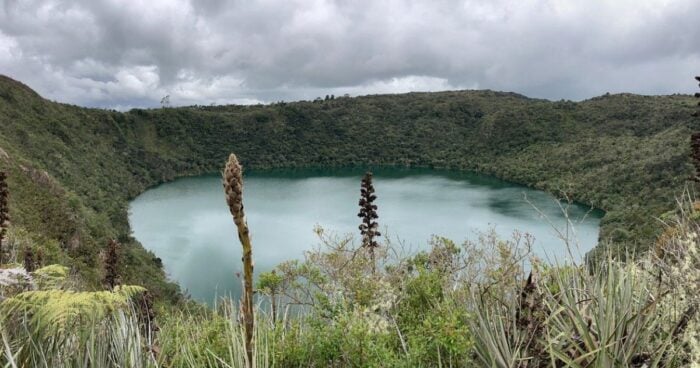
(165, 101)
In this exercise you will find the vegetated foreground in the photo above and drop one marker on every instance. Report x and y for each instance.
(70, 172)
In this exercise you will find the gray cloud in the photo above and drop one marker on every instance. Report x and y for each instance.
(112, 53)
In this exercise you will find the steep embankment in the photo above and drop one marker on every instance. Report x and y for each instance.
(626, 154)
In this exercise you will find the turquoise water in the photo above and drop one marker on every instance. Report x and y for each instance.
(187, 224)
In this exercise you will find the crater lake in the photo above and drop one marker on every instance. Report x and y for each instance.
(187, 224)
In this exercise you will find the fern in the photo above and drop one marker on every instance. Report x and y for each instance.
(53, 309)
(47, 324)
(50, 277)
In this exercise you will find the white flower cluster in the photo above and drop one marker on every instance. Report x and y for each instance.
(384, 298)
(683, 273)
(373, 322)
(375, 318)
(689, 271)
(14, 280)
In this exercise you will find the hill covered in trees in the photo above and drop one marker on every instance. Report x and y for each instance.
(71, 170)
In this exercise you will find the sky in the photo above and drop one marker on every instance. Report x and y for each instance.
(131, 53)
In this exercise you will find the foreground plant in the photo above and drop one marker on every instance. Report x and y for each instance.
(29, 262)
(695, 143)
(368, 214)
(111, 264)
(233, 187)
(4, 213)
(641, 313)
(65, 328)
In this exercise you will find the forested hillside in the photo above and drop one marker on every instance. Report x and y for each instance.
(72, 170)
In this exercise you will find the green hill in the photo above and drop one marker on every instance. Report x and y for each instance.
(72, 170)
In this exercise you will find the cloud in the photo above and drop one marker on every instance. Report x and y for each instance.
(112, 53)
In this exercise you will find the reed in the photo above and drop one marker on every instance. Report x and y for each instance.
(233, 187)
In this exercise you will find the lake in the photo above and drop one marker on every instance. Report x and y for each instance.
(187, 223)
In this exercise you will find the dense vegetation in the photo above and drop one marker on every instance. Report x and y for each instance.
(72, 170)
(344, 305)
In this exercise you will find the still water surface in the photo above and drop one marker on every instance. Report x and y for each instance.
(187, 224)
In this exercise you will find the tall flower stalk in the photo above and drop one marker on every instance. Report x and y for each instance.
(695, 143)
(29, 263)
(111, 262)
(233, 187)
(697, 95)
(695, 154)
(368, 215)
(4, 214)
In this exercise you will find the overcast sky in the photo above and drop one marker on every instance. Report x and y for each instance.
(129, 53)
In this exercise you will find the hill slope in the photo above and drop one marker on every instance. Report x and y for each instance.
(73, 170)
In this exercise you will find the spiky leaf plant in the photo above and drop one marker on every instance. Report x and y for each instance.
(618, 315)
(604, 320)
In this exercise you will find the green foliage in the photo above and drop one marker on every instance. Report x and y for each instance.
(53, 310)
(193, 337)
(454, 306)
(71, 170)
(436, 328)
(348, 340)
(50, 277)
(60, 328)
(638, 313)
(269, 281)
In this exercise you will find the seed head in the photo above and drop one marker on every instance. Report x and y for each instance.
(233, 188)
(368, 213)
(695, 146)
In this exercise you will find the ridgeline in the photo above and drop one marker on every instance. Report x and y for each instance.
(72, 170)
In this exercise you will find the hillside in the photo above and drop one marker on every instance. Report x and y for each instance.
(72, 170)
